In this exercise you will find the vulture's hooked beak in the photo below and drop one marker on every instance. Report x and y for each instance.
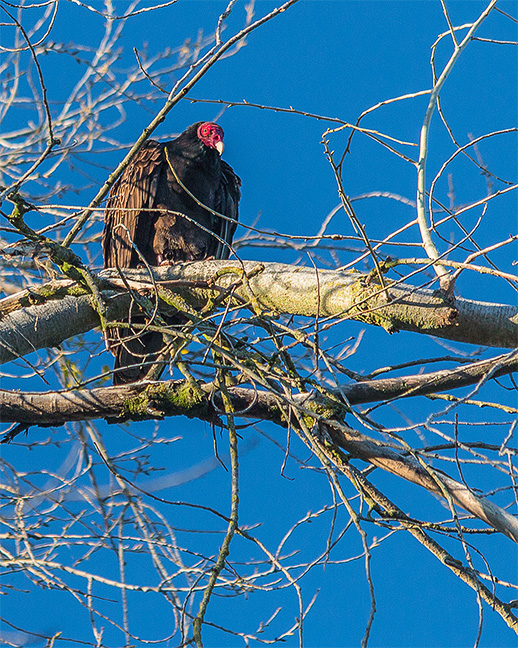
(219, 146)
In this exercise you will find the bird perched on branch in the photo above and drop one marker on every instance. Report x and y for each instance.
(161, 211)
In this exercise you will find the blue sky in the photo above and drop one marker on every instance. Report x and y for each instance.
(334, 59)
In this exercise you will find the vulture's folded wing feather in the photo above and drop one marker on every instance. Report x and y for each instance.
(126, 224)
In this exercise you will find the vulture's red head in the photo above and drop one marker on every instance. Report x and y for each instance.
(211, 135)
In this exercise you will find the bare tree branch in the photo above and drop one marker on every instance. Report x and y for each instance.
(90, 509)
(171, 398)
(57, 315)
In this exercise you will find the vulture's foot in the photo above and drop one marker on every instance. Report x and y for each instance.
(164, 262)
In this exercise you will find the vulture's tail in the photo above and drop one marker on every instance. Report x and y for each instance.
(134, 356)
(136, 351)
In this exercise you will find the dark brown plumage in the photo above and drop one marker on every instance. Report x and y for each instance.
(149, 211)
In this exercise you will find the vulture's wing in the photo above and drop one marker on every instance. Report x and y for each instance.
(227, 203)
(125, 222)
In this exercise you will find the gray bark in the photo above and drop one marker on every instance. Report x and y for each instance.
(152, 400)
(57, 407)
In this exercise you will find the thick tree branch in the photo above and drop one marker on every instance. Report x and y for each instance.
(44, 317)
(170, 398)
(49, 321)
(150, 400)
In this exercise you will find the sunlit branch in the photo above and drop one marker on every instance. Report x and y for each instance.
(428, 244)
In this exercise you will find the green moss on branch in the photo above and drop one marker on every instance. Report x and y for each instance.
(158, 401)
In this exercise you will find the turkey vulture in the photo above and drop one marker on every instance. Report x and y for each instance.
(151, 218)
